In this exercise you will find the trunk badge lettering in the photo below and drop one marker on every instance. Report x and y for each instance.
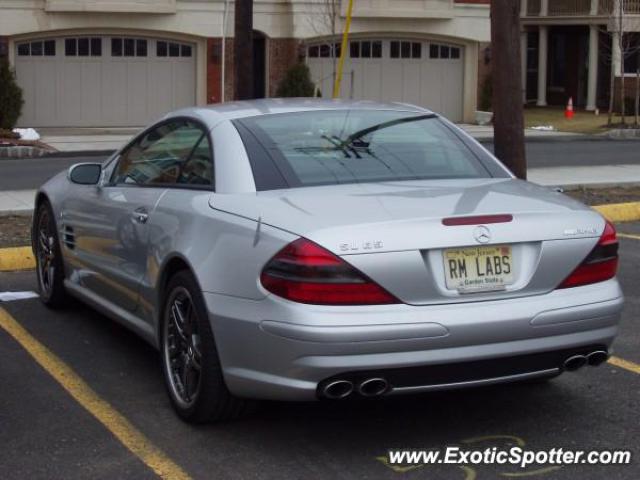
(571, 232)
(365, 245)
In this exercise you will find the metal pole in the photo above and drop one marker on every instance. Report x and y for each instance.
(343, 51)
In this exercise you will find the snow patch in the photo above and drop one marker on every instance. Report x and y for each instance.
(27, 133)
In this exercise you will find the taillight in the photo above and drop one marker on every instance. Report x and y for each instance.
(305, 272)
(600, 265)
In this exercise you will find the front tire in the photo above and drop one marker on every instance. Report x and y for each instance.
(49, 264)
(190, 362)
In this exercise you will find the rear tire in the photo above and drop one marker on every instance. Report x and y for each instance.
(190, 361)
(49, 264)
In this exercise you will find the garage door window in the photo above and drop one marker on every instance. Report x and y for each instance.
(444, 51)
(83, 47)
(45, 48)
(128, 47)
(366, 49)
(172, 49)
(400, 49)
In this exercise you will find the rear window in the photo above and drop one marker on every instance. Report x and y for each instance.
(347, 146)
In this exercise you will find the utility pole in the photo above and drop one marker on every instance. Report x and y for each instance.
(508, 114)
(243, 50)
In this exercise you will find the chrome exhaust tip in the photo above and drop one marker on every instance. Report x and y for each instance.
(337, 389)
(597, 358)
(373, 387)
(572, 364)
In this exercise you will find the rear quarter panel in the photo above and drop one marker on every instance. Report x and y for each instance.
(226, 252)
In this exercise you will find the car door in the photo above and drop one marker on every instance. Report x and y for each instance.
(109, 224)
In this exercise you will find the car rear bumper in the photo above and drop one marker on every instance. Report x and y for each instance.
(275, 349)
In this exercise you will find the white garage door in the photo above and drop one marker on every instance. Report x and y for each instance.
(91, 81)
(425, 73)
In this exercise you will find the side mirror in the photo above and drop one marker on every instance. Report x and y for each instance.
(85, 173)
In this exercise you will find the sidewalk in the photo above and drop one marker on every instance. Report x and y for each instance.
(484, 133)
(78, 140)
(21, 201)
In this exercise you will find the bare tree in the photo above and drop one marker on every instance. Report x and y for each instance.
(507, 87)
(243, 49)
(323, 20)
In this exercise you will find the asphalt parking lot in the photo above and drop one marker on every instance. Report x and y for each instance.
(47, 433)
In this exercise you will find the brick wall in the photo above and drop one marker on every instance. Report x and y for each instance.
(214, 70)
(283, 53)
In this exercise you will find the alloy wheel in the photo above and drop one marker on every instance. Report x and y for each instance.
(182, 347)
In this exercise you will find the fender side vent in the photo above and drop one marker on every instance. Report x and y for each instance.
(68, 237)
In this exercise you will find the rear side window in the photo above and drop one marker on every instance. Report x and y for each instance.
(176, 153)
(351, 146)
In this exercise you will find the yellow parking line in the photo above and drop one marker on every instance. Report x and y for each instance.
(626, 364)
(627, 235)
(620, 212)
(16, 258)
(117, 424)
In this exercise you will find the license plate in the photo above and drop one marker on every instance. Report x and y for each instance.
(475, 269)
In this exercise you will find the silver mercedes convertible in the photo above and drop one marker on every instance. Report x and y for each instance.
(311, 249)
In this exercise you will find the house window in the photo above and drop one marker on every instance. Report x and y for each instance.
(185, 50)
(50, 48)
(444, 51)
(631, 52)
(174, 50)
(314, 51)
(36, 49)
(455, 52)
(434, 51)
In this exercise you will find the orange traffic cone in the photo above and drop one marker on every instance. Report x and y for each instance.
(568, 113)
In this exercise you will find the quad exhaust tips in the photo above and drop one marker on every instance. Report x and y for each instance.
(595, 358)
(339, 389)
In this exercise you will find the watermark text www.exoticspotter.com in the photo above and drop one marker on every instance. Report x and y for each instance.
(519, 456)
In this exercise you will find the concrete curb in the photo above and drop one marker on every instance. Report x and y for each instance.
(16, 258)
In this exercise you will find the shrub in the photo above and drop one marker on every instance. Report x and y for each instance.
(9, 134)
(296, 82)
(10, 96)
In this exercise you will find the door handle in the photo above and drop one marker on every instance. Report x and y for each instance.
(140, 215)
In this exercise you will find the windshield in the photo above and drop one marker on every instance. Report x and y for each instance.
(356, 146)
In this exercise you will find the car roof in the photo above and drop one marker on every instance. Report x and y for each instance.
(213, 114)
